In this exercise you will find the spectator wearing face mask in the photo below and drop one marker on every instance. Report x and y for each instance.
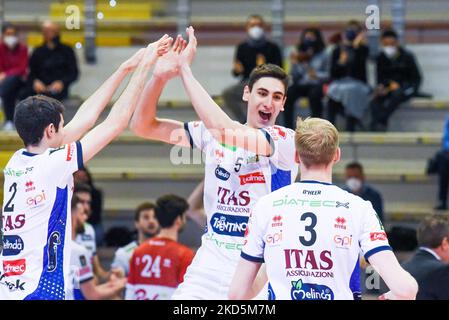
(398, 79)
(13, 69)
(309, 71)
(349, 92)
(355, 184)
(253, 52)
(53, 66)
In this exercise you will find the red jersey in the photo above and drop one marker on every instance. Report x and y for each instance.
(156, 269)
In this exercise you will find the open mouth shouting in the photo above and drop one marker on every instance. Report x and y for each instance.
(265, 116)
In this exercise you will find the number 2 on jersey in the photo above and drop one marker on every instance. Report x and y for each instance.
(10, 207)
(309, 228)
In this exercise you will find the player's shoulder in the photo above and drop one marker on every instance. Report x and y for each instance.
(279, 133)
(78, 249)
(129, 247)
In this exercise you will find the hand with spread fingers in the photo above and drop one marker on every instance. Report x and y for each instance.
(167, 67)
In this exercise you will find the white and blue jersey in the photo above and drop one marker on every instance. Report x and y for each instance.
(310, 235)
(36, 223)
(81, 269)
(234, 180)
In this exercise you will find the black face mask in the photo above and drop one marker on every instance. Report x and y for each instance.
(56, 39)
(350, 35)
(308, 44)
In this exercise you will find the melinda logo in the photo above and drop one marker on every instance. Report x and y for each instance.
(229, 225)
(222, 174)
(14, 267)
(254, 177)
(310, 291)
(12, 245)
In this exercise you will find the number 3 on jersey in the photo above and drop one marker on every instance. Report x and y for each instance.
(309, 228)
(151, 268)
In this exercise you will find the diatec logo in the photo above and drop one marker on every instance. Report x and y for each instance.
(14, 267)
(254, 177)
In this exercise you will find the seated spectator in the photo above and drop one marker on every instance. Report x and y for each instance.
(13, 69)
(398, 79)
(253, 52)
(53, 66)
(95, 218)
(356, 184)
(147, 227)
(158, 265)
(429, 266)
(309, 71)
(443, 169)
(84, 285)
(348, 92)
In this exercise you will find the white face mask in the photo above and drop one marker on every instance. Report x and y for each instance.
(255, 33)
(10, 41)
(390, 51)
(354, 184)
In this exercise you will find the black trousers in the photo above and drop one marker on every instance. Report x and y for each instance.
(313, 92)
(382, 107)
(335, 108)
(9, 91)
(443, 177)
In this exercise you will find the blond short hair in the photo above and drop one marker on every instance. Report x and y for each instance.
(316, 141)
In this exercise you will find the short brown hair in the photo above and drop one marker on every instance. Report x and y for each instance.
(143, 207)
(268, 71)
(432, 230)
(316, 141)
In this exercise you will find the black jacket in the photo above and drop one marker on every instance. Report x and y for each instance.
(247, 55)
(402, 69)
(49, 65)
(431, 274)
(355, 67)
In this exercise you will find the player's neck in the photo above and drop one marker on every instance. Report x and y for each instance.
(170, 233)
(37, 149)
(316, 174)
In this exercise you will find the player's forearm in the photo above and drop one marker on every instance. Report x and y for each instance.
(91, 109)
(124, 107)
(208, 111)
(143, 119)
(402, 285)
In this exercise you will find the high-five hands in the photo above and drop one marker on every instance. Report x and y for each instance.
(150, 53)
(180, 54)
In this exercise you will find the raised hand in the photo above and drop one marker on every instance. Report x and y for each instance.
(187, 55)
(157, 49)
(167, 66)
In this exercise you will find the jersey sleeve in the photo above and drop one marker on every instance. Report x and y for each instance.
(62, 162)
(282, 141)
(119, 261)
(185, 262)
(84, 266)
(373, 237)
(197, 134)
(254, 244)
